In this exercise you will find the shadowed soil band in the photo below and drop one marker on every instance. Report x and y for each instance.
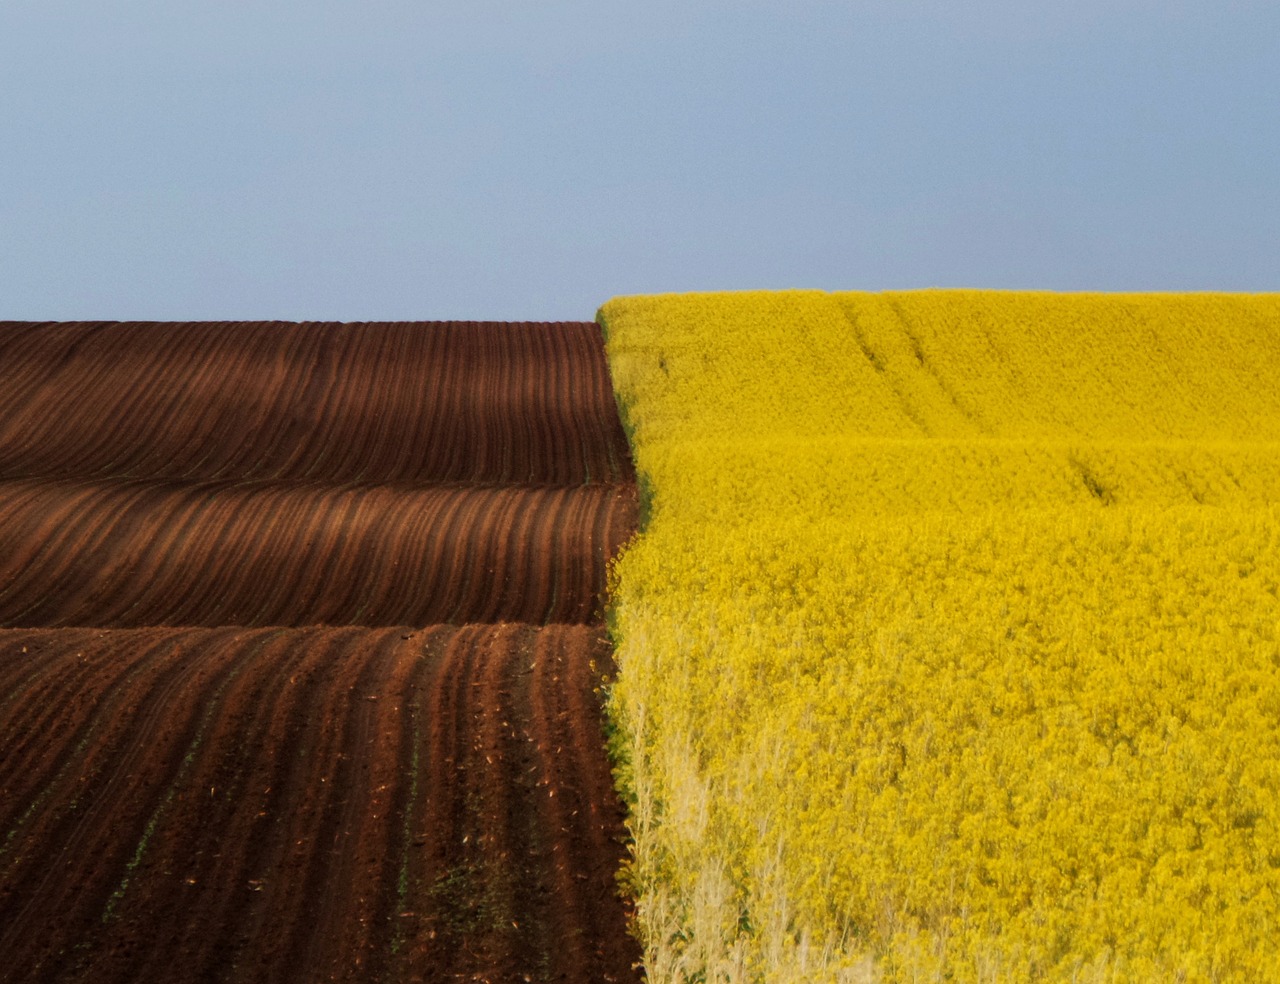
(300, 679)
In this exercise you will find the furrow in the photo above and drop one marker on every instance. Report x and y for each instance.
(299, 636)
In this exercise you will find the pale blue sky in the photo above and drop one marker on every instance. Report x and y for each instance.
(380, 159)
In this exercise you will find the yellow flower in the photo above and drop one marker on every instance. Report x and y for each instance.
(951, 649)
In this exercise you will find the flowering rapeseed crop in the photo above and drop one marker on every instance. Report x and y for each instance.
(951, 650)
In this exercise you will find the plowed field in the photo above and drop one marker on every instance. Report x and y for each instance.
(299, 646)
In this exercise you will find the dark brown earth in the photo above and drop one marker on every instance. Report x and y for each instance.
(300, 650)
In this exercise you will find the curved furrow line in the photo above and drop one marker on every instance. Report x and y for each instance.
(598, 819)
(195, 373)
(24, 528)
(226, 853)
(453, 448)
(579, 594)
(436, 876)
(104, 536)
(601, 540)
(386, 349)
(232, 894)
(559, 599)
(580, 812)
(280, 427)
(396, 563)
(120, 556)
(118, 571)
(182, 574)
(542, 426)
(426, 444)
(51, 808)
(534, 430)
(348, 902)
(286, 523)
(139, 564)
(512, 570)
(562, 804)
(118, 707)
(466, 454)
(396, 414)
(28, 679)
(583, 582)
(93, 422)
(100, 833)
(591, 402)
(419, 787)
(172, 869)
(514, 385)
(112, 570)
(460, 556)
(489, 567)
(457, 426)
(558, 380)
(168, 433)
(391, 576)
(149, 405)
(27, 350)
(439, 560)
(579, 414)
(190, 392)
(498, 356)
(498, 441)
(43, 719)
(320, 793)
(494, 437)
(39, 532)
(520, 856)
(332, 521)
(569, 378)
(322, 816)
(22, 655)
(34, 355)
(403, 350)
(191, 368)
(269, 835)
(339, 403)
(518, 515)
(600, 424)
(325, 388)
(319, 553)
(359, 559)
(494, 854)
(616, 524)
(256, 557)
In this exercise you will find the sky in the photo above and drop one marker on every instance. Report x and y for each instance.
(404, 160)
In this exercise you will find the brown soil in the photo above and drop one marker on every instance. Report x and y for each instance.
(127, 554)
(300, 674)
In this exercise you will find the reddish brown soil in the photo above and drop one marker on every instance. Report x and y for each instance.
(387, 404)
(125, 554)
(300, 679)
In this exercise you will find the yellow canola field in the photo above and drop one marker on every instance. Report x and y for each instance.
(951, 648)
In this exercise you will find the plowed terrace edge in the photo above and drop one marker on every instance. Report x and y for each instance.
(198, 782)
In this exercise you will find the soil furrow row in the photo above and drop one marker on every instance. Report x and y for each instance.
(126, 556)
(375, 403)
(300, 653)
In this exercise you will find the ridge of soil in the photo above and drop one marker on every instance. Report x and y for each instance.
(301, 651)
